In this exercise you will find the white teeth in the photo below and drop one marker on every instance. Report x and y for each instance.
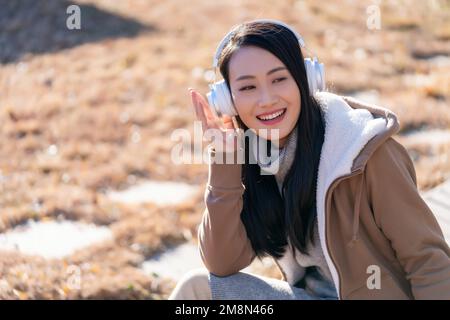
(271, 116)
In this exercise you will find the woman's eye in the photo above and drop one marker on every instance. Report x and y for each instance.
(245, 88)
(279, 79)
(251, 87)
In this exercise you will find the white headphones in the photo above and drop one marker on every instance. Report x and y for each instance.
(219, 97)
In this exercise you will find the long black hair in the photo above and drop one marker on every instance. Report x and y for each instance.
(271, 218)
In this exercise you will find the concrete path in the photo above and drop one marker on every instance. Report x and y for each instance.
(438, 199)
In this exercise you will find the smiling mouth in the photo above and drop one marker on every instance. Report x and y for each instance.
(272, 116)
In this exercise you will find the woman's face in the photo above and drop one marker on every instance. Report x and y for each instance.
(264, 92)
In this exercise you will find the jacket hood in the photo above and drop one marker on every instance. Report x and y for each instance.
(353, 131)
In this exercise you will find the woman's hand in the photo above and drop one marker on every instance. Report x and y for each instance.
(223, 131)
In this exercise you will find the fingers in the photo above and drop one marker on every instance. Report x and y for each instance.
(192, 99)
(213, 120)
(198, 109)
(205, 114)
(228, 122)
(206, 108)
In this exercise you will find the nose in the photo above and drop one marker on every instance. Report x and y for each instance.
(267, 98)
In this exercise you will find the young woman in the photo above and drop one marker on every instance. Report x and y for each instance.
(342, 217)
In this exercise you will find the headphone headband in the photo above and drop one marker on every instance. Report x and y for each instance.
(226, 38)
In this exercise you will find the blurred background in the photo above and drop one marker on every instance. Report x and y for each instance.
(91, 205)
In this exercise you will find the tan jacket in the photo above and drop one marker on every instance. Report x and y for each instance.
(371, 217)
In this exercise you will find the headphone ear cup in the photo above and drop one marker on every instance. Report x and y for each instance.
(310, 74)
(315, 75)
(212, 99)
(224, 100)
(320, 74)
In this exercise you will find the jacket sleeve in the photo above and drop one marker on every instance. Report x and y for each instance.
(408, 222)
(223, 243)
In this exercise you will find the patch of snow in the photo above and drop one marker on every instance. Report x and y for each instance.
(158, 192)
(52, 239)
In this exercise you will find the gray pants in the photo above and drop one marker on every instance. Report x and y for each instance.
(199, 284)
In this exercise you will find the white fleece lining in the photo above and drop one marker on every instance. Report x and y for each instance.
(347, 131)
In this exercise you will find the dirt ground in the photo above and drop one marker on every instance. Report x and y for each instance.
(84, 111)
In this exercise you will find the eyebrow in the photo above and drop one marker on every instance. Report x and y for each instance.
(268, 73)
